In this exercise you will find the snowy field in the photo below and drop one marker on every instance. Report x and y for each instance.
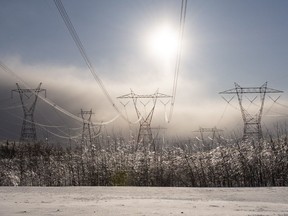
(108, 201)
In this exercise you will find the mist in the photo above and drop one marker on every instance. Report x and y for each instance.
(73, 88)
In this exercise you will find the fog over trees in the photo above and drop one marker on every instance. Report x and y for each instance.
(114, 161)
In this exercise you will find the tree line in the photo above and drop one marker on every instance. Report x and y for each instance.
(125, 163)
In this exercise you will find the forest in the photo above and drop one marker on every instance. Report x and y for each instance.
(116, 162)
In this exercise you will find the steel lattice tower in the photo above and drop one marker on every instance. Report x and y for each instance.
(252, 122)
(215, 132)
(145, 132)
(28, 131)
(86, 131)
(89, 137)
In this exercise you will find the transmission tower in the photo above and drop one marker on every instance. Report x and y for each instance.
(145, 117)
(215, 132)
(88, 133)
(28, 99)
(252, 122)
(86, 130)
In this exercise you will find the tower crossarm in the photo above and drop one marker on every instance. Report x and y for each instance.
(30, 91)
(208, 130)
(251, 90)
(85, 112)
(155, 95)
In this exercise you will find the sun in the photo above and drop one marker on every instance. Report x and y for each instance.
(163, 42)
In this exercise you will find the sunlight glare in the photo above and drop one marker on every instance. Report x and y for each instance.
(163, 42)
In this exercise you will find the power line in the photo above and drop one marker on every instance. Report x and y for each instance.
(60, 136)
(3, 100)
(45, 127)
(11, 107)
(46, 100)
(83, 53)
(9, 71)
(179, 54)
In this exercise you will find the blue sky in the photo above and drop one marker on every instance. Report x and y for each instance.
(224, 42)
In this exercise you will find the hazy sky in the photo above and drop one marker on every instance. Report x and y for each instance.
(224, 42)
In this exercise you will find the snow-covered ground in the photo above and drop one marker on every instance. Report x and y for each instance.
(108, 201)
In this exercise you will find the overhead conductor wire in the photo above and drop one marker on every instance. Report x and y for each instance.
(83, 53)
(179, 54)
(55, 106)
